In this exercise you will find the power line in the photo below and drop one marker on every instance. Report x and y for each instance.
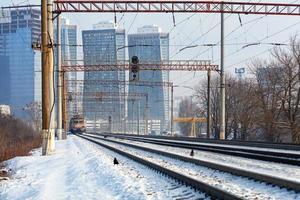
(259, 42)
(132, 22)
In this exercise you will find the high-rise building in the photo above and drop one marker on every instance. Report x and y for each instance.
(4, 80)
(19, 28)
(150, 44)
(103, 45)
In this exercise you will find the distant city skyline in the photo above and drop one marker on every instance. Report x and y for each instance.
(200, 29)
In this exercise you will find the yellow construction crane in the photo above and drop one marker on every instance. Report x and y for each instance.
(192, 120)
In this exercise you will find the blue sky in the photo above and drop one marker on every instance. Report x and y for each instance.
(202, 29)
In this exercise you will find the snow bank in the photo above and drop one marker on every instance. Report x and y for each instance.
(81, 170)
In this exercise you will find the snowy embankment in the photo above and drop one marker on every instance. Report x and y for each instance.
(243, 187)
(81, 170)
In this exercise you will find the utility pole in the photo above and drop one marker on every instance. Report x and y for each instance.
(146, 116)
(208, 105)
(124, 117)
(222, 81)
(95, 122)
(110, 128)
(132, 117)
(172, 108)
(138, 117)
(59, 79)
(64, 107)
(47, 78)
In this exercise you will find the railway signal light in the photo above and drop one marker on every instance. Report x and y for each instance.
(134, 66)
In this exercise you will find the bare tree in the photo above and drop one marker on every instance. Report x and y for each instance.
(278, 94)
(265, 107)
(240, 109)
(290, 88)
(201, 95)
(34, 111)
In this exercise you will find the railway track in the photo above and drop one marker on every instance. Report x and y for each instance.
(265, 154)
(190, 181)
(283, 146)
(212, 191)
(233, 170)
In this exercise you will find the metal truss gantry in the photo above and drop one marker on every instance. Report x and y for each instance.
(117, 82)
(91, 99)
(177, 65)
(175, 6)
(106, 94)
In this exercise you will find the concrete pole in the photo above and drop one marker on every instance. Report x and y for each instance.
(124, 115)
(222, 81)
(132, 117)
(172, 108)
(125, 104)
(138, 117)
(64, 107)
(146, 116)
(95, 122)
(208, 105)
(47, 78)
(52, 74)
(59, 79)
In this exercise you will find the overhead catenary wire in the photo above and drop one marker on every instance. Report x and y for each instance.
(267, 37)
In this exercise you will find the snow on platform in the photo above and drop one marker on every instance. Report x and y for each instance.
(81, 170)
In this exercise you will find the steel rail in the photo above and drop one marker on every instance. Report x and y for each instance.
(267, 145)
(232, 170)
(198, 185)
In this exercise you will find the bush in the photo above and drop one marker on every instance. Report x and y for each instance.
(16, 138)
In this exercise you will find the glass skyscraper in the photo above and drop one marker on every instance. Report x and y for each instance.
(4, 80)
(18, 30)
(103, 45)
(151, 45)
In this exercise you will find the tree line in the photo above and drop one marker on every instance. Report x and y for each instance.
(263, 106)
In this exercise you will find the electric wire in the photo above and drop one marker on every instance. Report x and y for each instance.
(260, 41)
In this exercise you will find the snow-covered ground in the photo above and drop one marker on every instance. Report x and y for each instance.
(243, 187)
(81, 170)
